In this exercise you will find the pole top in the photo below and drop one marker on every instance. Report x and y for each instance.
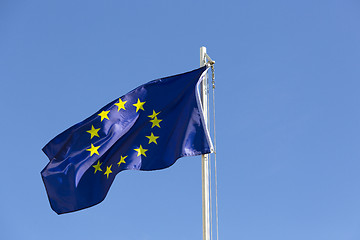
(204, 56)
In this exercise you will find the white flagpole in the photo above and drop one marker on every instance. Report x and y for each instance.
(205, 157)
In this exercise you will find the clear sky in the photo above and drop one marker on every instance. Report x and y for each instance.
(288, 118)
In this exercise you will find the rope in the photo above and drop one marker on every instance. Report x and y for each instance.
(209, 170)
(216, 187)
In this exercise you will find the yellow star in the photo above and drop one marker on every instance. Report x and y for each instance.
(108, 171)
(154, 114)
(104, 114)
(121, 104)
(93, 131)
(139, 105)
(97, 167)
(93, 150)
(152, 138)
(155, 122)
(122, 160)
(140, 151)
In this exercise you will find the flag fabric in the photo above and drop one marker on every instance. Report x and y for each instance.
(147, 129)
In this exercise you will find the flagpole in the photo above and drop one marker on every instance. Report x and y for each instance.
(205, 157)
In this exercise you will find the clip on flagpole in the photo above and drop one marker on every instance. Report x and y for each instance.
(209, 60)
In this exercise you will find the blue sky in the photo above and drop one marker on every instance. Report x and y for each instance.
(288, 119)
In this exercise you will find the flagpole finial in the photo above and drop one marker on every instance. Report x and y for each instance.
(202, 56)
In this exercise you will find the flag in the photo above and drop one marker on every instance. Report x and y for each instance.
(147, 129)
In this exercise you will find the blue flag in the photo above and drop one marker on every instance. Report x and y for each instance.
(147, 129)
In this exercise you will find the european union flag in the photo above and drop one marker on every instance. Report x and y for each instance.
(147, 129)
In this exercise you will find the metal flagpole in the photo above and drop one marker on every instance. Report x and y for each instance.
(205, 157)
